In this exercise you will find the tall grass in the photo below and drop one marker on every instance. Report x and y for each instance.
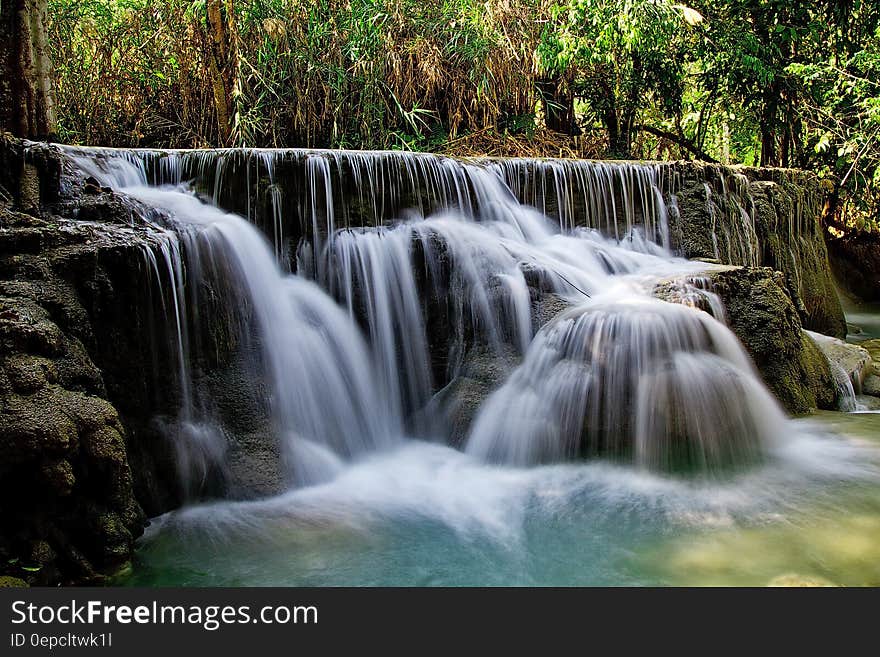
(409, 74)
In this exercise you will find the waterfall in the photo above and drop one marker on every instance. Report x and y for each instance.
(365, 281)
(662, 385)
(326, 404)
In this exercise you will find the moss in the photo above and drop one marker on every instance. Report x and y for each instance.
(763, 317)
(27, 374)
(115, 539)
(7, 582)
(106, 443)
(36, 424)
(58, 476)
(815, 374)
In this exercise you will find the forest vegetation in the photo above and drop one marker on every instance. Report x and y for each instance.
(757, 82)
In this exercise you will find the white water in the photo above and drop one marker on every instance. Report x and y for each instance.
(663, 385)
(325, 401)
(621, 375)
(429, 515)
(350, 346)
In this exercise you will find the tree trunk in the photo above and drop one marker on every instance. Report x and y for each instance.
(558, 106)
(768, 144)
(222, 60)
(27, 104)
(769, 124)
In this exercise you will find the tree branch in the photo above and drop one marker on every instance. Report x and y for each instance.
(681, 141)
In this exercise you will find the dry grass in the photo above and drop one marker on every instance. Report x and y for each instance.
(341, 73)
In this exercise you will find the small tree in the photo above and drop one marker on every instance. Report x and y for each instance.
(621, 55)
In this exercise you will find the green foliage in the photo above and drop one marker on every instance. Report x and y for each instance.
(621, 56)
(773, 82)
(358, 73)
(842, 113)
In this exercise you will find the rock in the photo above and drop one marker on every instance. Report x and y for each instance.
(786, 232)
(762, 315)
(871, 385)
(67, 507)
(706, 203)
(853, 360)
(873, 348)
(867, 403)
(7, 582)
(545, 307)
(85, 345)
(792, 580)
(482, 373)
(254, 465)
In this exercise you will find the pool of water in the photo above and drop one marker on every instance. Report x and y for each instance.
(426, 515)
(863, 320)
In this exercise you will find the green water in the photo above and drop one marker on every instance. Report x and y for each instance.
(427, 515)
(863, 319)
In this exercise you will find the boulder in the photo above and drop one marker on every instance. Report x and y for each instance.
(483, 371)
(760, 312)
(873, 348)
(67, 506)
(853, 360)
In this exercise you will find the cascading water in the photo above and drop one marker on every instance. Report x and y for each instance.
(402, 274)
(325, 403)
(621, 376)
(661, 385)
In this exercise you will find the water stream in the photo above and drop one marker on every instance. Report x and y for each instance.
(632, 441)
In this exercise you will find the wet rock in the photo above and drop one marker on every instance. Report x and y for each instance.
(871, 385)
(873, 348)
(733, 215)
(853, 360)
(27, 374)
(546, 307)
(867, 403)
(785, 234)
(483, 372)
(62, 465)
(68, 513)
(254, 465)
(762, 315)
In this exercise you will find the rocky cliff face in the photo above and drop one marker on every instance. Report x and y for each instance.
(89, 385)
(73, 377)
(735, 215)
(761, 217)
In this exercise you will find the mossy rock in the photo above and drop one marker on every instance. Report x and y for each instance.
(8, 582)
(760, 312)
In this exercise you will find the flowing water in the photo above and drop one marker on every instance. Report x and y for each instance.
(693, 474)
(429, 515)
